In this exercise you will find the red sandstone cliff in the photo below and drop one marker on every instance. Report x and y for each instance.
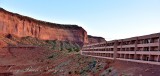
(22, 26)
(94, 39)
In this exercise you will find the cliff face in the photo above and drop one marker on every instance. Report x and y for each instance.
(22, 26)
(94, 39)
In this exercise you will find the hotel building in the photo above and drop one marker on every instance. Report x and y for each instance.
(142, 49)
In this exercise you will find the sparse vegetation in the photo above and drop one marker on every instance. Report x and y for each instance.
(63, 46)
(50, 44)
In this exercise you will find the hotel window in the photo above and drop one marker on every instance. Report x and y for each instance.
(111, 49)
(118, 49)
(124, 43)
(132, 49)
(154, 40)
(155, 48)
(145, 41)
(133, 41)
(140, 41)
(146, 49)
(127, 49)
(139, 49)
(123, 49)
(128, 42)
(119, 43)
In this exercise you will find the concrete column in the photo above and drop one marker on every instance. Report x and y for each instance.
(159, 43)
(120, 55)
(115, 49)
(142, 48)
(149, 57)
(149, 43)
(141, 57)
(124, 56)
(129, 56)
(149, 50)
(105, 46)
(121, 45)
(136, 48)
(93, 48)
(158, 58)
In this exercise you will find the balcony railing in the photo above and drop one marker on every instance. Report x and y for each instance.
(148, 52)
(126, 52)
(149, 44)
(131, 45)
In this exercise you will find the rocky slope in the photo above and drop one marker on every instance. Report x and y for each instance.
(22, 26)
(94, 39)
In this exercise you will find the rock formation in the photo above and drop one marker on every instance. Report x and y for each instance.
(94, 39)
(22, 26)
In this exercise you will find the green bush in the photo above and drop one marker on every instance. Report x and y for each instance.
(70, 50)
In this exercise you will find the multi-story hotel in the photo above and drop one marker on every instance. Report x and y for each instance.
(143, 49)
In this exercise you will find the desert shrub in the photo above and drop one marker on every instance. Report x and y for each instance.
(69, 72)
(50, 57)
(53, 56)
(70, 50)
(52, 43)
(76, 49)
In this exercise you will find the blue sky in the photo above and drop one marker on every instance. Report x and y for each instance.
(111, 19)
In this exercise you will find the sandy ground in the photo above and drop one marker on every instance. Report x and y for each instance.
(41, 62)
